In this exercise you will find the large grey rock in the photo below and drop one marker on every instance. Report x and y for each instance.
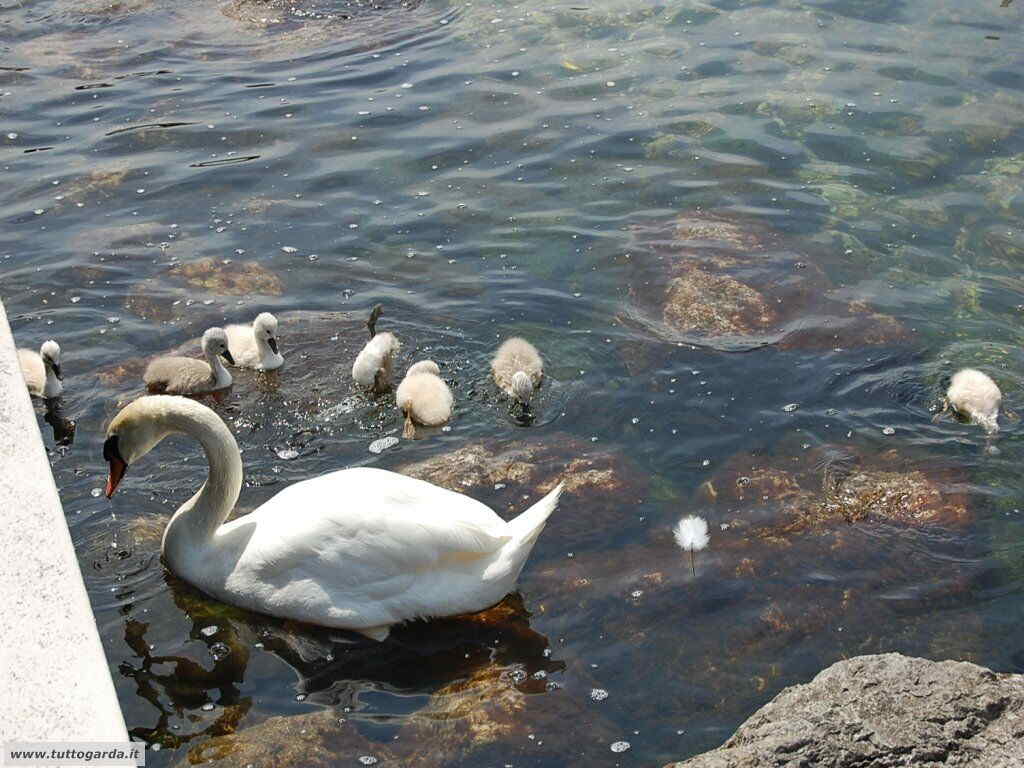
(884, 711)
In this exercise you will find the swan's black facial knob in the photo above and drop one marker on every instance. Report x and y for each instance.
(118, 466)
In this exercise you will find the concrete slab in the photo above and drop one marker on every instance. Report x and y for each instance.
(54, 680)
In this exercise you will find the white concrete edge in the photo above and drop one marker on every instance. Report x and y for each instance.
(55, 683)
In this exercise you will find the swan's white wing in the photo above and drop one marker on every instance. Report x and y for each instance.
(363, 538)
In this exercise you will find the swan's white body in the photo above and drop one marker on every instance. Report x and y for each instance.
(372, 368)
(41, 370)
(518, 369)
(359, 549)
(250, 344)
(973, 394)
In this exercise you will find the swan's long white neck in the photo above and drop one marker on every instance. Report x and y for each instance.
(268, 357)
(53, 386)
(221, 376)
(197, 520)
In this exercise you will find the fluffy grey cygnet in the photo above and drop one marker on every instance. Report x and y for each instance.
(518, 369)
(424, 398)
(174, 375)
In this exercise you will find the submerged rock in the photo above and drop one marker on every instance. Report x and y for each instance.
(837, 487)
(882, 711)
(97, 184)
(315, 740)
(511, 475)
(721, 280)
(719, 231)
(169, 297)
(482, 709)
(700, 302)
(911, 498)
(130, 369)
(127, 239)
(151, 300)
(507, 714)
(237, 278)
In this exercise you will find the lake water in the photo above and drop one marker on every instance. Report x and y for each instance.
(751, 240)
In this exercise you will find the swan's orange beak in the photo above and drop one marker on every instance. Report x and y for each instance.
(117, 470)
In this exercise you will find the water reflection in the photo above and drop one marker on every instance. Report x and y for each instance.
(434, 667)
(63, 427)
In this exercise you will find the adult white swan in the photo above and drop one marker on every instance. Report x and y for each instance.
(359, 549)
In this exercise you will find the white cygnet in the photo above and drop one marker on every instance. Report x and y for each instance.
(255, 346)
(373, 364)
(974, 395)
(41, 370)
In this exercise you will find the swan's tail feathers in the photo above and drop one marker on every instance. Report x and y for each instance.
(523, 532)
(527, 527)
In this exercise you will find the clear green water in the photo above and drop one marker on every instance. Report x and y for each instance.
(846, 179)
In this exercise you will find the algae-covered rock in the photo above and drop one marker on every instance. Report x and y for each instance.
(129, 369)
(97, 184)
(224, 278)
(168, 297)
(131, 237)
(151, 299)
(853, 326)
(908, 497)
(508, 714)
(258, 206)
(835, 487)
(73, 54)
(794, 111)
(1000, 183)
(479, 710)
(278, 27)
(510, 475)
(721, 231)
(846, 202)
(991, 245)
(697, 301)
(708, 278)
(321, 739)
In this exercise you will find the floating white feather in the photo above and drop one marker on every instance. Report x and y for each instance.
(692, 533)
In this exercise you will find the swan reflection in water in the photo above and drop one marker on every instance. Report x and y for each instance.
(63, 427)
(431, 686)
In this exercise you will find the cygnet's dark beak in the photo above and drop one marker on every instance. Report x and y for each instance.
(118, 466)
(56, 371)
(226, 354)
(272, 343)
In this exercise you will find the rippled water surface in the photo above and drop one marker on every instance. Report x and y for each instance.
(752, 241)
